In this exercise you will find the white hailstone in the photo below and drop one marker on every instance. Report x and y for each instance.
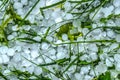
(13, 77)
(34, 54)
(37, 38)
(17, 48)
(110, 23)
(100, 24)
(38, 17)
(37, 70)
(52, 51)
(26, 63)
(116, 3)
(114, 74)
(43, 30)
(65, 37)
(107, 11)
(117, 66)
(14, 33)
(53, 77)
(110, 34)
(94, 25)
(14, 28)
(118, 38)
(47, 14)
(17, 57)
(118, 51)
(117, 11)
(87, 77)
(56, 14)
(68, 16)
(39, 60)
(93, 73)
(4, 49)
(85, 69)
(109, 62)
(59, 19)
(49, 38)
(26, 55)
(5, 58)
(105, 50)
(41, 3)
(32, 77)
(80, 39)
(77, 23)
(24, 2)
(117, 22)
(97, 16)
(62, 49)
(20, 12)
(15, 0)
(26, 51)
(36, 11)
(26, 27)
(117, 57)
(45, 46)
(104, 34)
(81, 48)
(67, 6)
(6, 72)
(10, 37)
(73, 31)
(84, 57)
(1, 61)
(47, 60)
(1, 16)
(31, 18)
(32, 47)
(101, 68)
(97, 37)
(103, 56)
(53, 57)
(11, 52)
(85, 30)
(58, 41)
(79, 76)
(30, 69)
(23, 36)
(93, 56)
(19, 67)
(51, 22)
(1, 2)
(114, 46)
(60, 55)
(17, 5)
(49, 2)
(97, 32)
(93, 47)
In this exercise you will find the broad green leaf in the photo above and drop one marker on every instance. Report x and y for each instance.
(65, 29)
(104, 76)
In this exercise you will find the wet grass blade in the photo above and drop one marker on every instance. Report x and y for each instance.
(52, 5)
(93, 41)
(4, 77)
(115, 28)
(99, 8)
(27, 40)
(66, 69)
(29, 12)
(44, 69)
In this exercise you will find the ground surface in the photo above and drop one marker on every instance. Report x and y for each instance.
(60, 39)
